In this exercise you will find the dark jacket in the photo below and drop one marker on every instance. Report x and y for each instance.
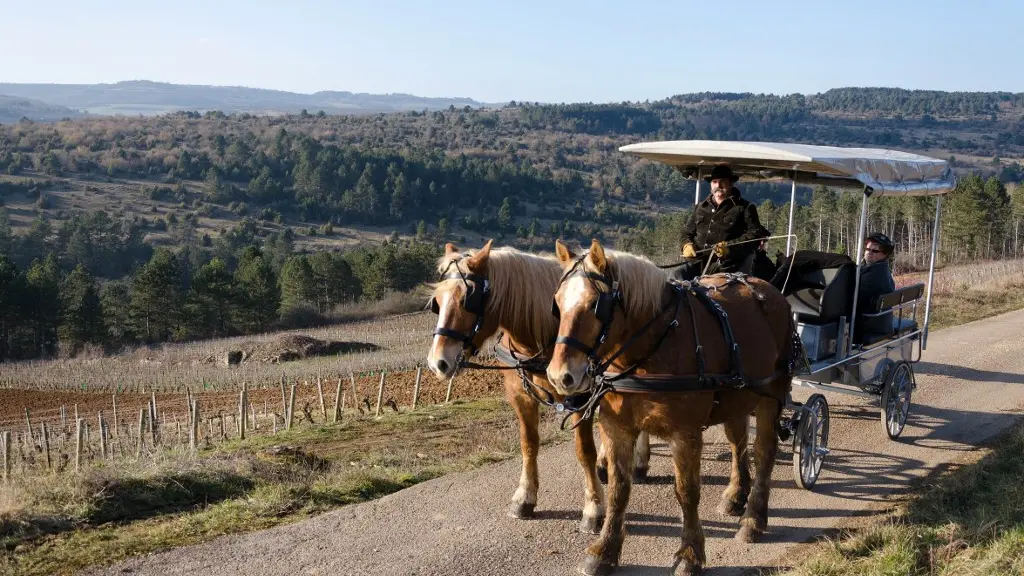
(875, 280)
(735, 220)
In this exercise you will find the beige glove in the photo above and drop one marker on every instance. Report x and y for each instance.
(721, 249)
(688, 251)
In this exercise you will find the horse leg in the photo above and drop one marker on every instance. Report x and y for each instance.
(686, 453)
(766, 445)
(586, 453)
(525, 498)
(641, 457)
(734, 499)
(602, 556)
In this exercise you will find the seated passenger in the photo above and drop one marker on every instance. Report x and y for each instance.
(875, 280)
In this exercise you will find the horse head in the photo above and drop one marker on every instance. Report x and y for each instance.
(460, 300)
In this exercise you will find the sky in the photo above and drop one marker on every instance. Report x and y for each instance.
(529, 50)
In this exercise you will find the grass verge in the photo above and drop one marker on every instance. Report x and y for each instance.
(969, 522)
(967, 305)
(62, 523)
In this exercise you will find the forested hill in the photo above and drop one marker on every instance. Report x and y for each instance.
(463, 165)
(236, 199)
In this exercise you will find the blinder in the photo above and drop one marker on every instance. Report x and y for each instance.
(604, 308)
(474, 300)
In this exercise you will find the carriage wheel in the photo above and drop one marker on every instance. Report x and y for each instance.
(810, 443)
(896, 399)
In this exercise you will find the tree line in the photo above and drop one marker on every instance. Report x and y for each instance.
(61, 293)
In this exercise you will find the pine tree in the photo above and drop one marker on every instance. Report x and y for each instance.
(43, 284)
(81, 313)
(257, 296)
(157, 297)
(298, 288)
(116, 316)
(210, 301)
(12, 304)
(333, 279)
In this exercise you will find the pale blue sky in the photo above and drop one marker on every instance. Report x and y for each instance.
(544, 50)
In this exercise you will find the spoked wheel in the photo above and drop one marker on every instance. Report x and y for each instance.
(896, 399)
(810, 443)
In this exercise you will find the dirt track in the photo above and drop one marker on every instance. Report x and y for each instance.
(969, 388)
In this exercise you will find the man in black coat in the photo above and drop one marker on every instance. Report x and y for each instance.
(715, 228)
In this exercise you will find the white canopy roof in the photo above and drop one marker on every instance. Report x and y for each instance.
(885, 172)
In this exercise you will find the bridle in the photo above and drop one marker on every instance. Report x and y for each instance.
(474, 301)
(604, 310)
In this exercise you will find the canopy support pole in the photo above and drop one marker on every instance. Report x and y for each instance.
(931, 271)
(792, 203)
(859, 254)
(696, 194)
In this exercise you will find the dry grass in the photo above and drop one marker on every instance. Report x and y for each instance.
(61, 523)
(984, 275)
(969, 523)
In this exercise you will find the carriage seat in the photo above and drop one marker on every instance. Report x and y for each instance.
(879, 323)
(825, 294)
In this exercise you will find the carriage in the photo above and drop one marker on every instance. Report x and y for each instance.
(868, 352)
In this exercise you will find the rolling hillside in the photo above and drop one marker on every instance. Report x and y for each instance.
(149, 98)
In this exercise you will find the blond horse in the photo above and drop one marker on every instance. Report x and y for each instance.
(516, 300)
(619, 315)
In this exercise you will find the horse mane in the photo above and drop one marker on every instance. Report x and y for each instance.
(641, 282)
(522, 286)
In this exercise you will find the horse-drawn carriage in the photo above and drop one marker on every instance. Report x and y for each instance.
(610, 341)
(868, 353)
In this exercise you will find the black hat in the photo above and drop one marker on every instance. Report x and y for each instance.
(722, 171)
(882, 240)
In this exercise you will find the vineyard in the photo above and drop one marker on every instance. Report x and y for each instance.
(65, 414)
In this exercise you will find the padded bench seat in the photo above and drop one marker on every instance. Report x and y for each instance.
(880, 322)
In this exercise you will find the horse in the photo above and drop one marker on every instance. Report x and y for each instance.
(507, 289)
(677, 374)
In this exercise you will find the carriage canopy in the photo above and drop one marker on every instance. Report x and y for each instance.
(884, 172)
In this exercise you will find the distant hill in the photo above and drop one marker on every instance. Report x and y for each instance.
(150, 98)
(13, 109)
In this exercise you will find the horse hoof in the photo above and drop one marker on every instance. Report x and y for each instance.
(748, 535)
(595, 566)
(730, 508)
(640, 475)
(521, 511)
(591, 525)
(685, 568)
(602, 475)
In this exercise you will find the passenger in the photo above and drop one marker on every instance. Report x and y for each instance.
(876, 272)
(875, 279)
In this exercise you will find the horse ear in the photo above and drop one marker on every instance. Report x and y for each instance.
(479, 260)
(565, 255)
(597, 256)
(450, 249)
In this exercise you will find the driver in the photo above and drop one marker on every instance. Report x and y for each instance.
(717, 227)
